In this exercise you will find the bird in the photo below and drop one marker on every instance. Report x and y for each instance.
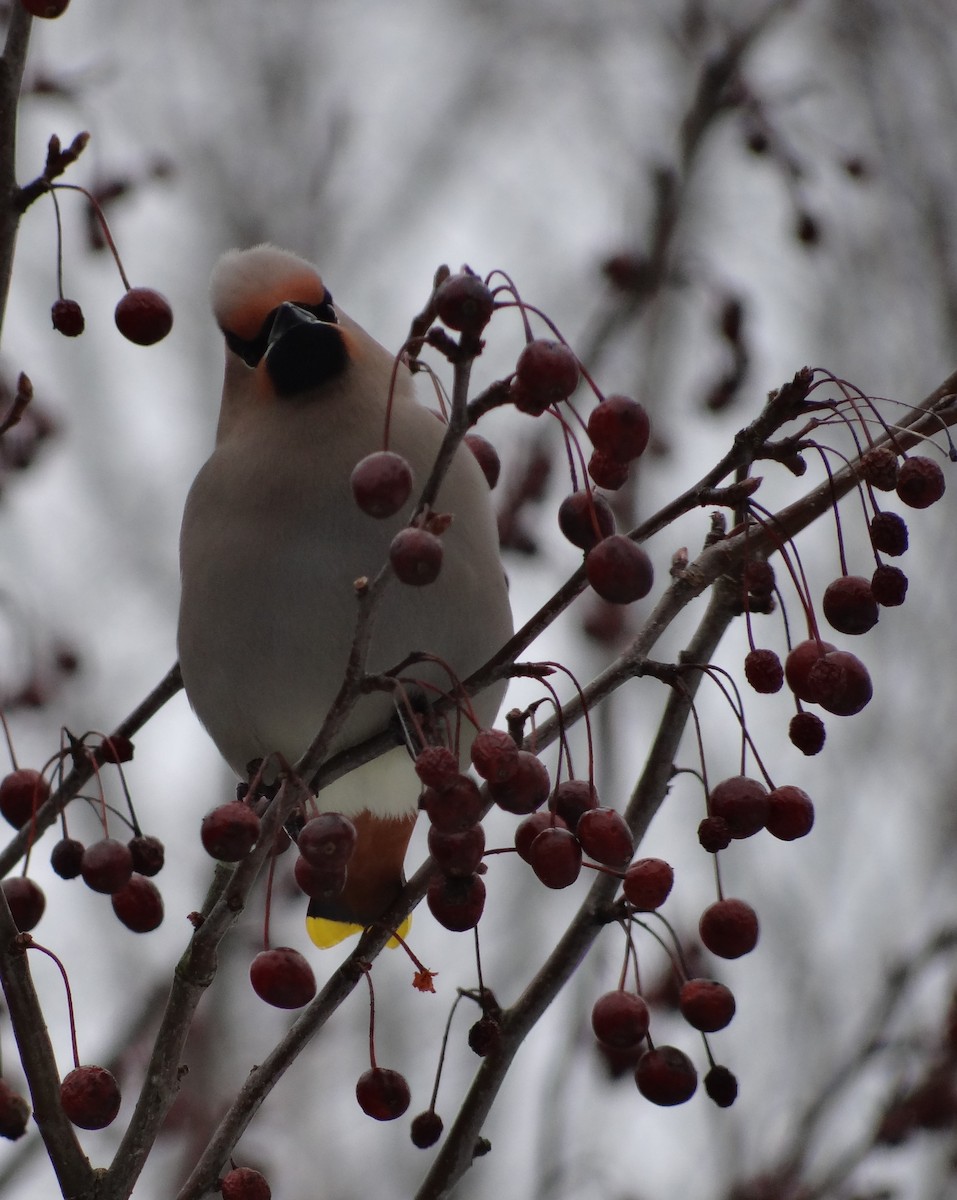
(272, 544)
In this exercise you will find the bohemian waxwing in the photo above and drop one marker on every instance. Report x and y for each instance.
(273, 541)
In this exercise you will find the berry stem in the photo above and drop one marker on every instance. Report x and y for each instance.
(30, 944)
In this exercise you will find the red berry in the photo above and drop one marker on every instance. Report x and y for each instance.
(585, 518)
(547, 370)
(416, 556)
(457, 902)
(619, 570)
(571, 799)
(381, 483)
(889, 585)
(889, 534)
(457, 853)
(619, 427)
(66, 858)
(327, 839)
(494, 755)
(230, 831)
(464, 303)
(721, 1086)
(607, 472)
(647, 883)
(742, 803)
(758, 578)
(243, 1183)
(21, 794)
(107, 865)
(426, 1129)
(605, 837)
(620, 1019)
(26, 900)
(115, 749)
(528, 830)
(524, 791)
(282, 977)
(436, 766)
(90, 1097)
(920, 482)
(807, 732)
(454, 808)
(143, 316)
(763, 670)
(556, 857)
(840, 683)
(47, 9)
(139, 905)
(383, 1094)
(320, 882)
(798, 665)
(67, 316)
(666, 1076)
(706, 1004)
(729, 928)
(486, 455)
(879, 468)
(790, 813)
(849, 605)
(14, 1113)
(485, 1036)
(714, 834)
(148, 853)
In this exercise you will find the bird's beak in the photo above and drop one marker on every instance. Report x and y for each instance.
(302, 352)
(289, 316)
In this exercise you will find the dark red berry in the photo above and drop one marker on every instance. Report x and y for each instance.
(619, 427)
(571, 799)
(381, 483)
(486, 456)
(230, 831)
(889, 585)
(528, 830)
(14, 1113)
(706, 1004)
(454, 808)
(107, 865)
(383, 1094)
(807, 732)
(21, 794)
(485, 1036)
(426, 1129)
(26, 900)
(758, 578)
(729, 928)
(889, 534)
(532, 404)
(115, 749)
(143, 316)
(547, 369)
(840, 683)
(148, 853)
(607, 472)
(742, 803)
(714, 834)
(849, 605)
(556, 857)
(647, 883)
(464, 303)
(585, 518)
(524, 791)
(90, 1097)
(320, 882)
(620, 1019)
(879, 468)
(790, 813)
(243, 1183)
(457, 902)
(619, 570)
(327, 839)
(416, 556)
(66, 858)
(457, 853)
(721, 1086)
(282, 977)
(139, 905)
(920, 482)
(436, 766)
(494, 755)
(808, 229)
(763, 670)
(605, 837)
(47, 9)
(798, 665)
(67, 316)
(666, 1076)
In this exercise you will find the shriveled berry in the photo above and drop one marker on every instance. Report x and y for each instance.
(524, 791)
(763, 670)
(721, 1086)
(571, 799)
(457, 853)
(528, 830)
(416, 556)
(889, 585)
(485, 1036)
(46, 9)
(620, 1019)
(326, 839)
(26, 900)
(585, 518)
(807, 732)
(494, 755)
(605, 837)
(21, 794)
(706, 1004)
(879, 468)
(798, 665)
(607, 472)
(758, 578)
(320, 882)
(547, 368)
(486, 455)
(920, 482)
(66, 858)
(889, 534)
(67, 316)
(556, 857)
(381, 483)
(454, 808)
(243, 1183)
(714, 834)
(840, 683)
(282, 977)
(148, 853)
(90, 1097)
(619, 427)
(115, 749)
(14, 1112)
(230, 831)
(729, 928)
(790, 813)
(383, 1094)
(143, 316)
(619, 570)
(464, 303)
(106, 865)
(666, 1076)
(742, 803)
(457, 902)
(426, 1129)
(436, 766)
(849, 605)
(532, 404)
(648, 883)
(139, 905)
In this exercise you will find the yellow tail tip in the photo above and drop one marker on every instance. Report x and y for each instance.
(325, 933)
